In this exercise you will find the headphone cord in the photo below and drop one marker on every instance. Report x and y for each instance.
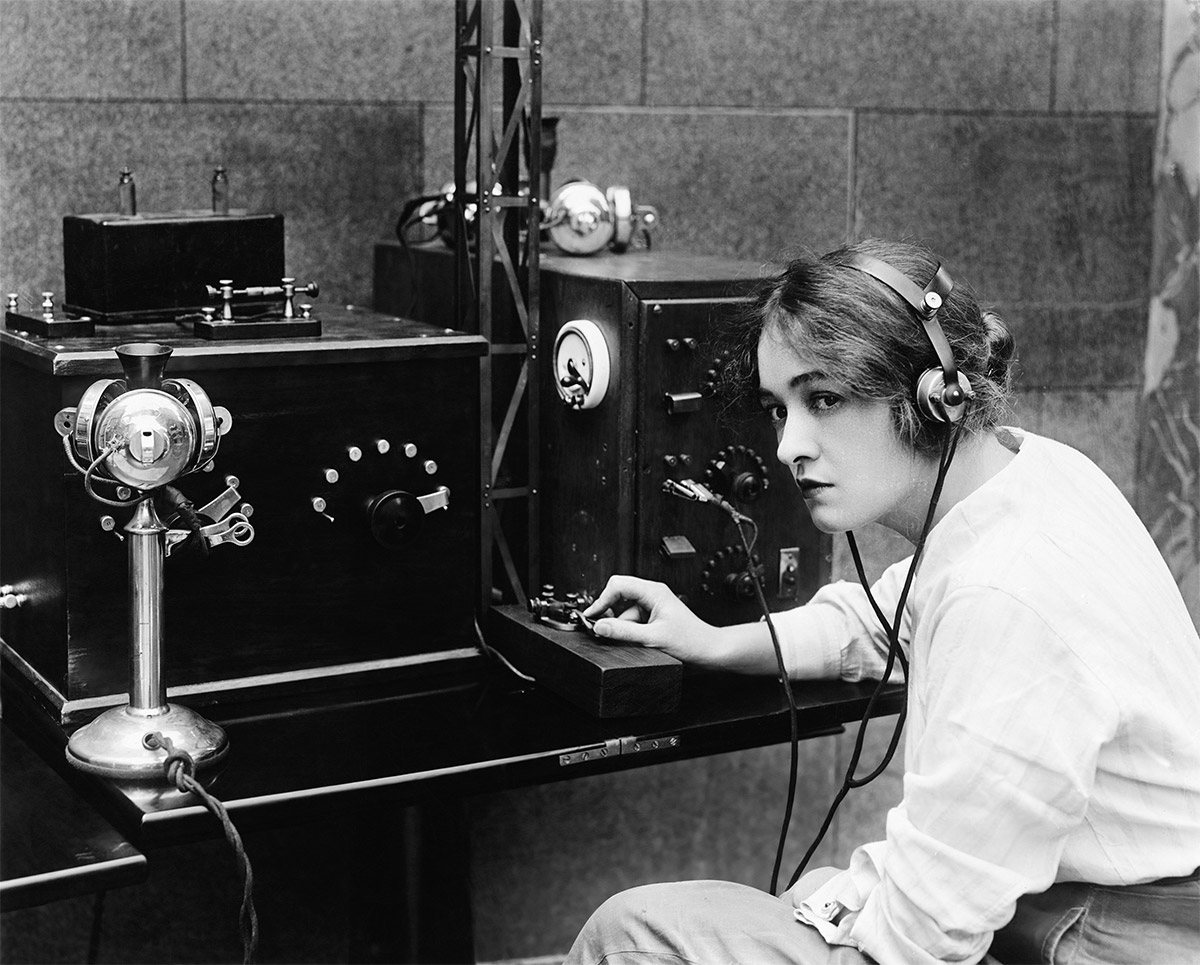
(414, 212)
(793, 723)
(895, 652)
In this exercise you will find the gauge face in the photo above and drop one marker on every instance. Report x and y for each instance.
(574, 363)
(581, 364)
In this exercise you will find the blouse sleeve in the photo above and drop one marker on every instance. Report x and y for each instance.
(837, 634)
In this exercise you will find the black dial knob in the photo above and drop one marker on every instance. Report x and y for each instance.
(747, 487)
(728, 572)
(396, 518)
(738, 473)
(740, 586)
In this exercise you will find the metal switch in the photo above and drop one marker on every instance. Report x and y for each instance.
(679, 402)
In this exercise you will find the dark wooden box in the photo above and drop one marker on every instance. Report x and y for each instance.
(129, 268)
(315, 601)
(605, 679)
(601, 505)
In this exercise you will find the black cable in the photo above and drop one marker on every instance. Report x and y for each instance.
(949, 445)
(89, 475)
(97, 919)
(895, 651)
(741, 520)
(179, 767)
(175, 502)
(489, 651)
(413, 213)
(793, 722)
(689, 489)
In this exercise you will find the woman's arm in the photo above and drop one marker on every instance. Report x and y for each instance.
(835, 635)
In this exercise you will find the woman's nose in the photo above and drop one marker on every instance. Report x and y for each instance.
(796, 442)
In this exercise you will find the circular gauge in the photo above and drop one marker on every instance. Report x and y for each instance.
(581, 364)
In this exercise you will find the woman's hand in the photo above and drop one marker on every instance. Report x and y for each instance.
(650, 615)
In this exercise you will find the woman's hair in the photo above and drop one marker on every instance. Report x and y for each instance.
(862, 334)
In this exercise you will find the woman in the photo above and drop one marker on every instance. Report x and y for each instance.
(1051, 806)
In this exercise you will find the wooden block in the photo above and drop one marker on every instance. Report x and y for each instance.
(68, 327)
(264, 328)
(606, 680)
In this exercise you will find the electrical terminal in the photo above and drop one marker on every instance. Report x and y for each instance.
(689, 489)
(699, 493)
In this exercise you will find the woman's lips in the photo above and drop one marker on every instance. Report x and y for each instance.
(810, 487)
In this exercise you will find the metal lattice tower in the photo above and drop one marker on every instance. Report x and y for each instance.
(497, 215)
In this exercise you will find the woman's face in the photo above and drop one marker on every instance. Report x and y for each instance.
(843, 451)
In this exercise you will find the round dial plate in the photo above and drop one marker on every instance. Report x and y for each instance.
(581, 364)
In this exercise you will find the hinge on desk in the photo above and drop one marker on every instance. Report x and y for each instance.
(635, 745)
(617, 747)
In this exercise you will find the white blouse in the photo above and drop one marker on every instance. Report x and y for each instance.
(1053, 728)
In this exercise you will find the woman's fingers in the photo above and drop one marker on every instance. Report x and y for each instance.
(626, 631)
(628, 596)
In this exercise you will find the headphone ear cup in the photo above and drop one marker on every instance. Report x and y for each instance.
(930, 389)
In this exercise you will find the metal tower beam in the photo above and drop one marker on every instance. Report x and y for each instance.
(499, 50)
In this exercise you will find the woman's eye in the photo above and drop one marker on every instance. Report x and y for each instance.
(776, 413)
(823, 401)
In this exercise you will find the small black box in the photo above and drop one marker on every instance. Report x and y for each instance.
(139, 268)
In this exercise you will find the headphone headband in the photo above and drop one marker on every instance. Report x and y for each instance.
(925, 302)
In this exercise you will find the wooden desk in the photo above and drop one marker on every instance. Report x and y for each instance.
(53, 844)
(470, 729)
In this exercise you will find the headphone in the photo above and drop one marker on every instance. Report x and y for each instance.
(942, 392)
